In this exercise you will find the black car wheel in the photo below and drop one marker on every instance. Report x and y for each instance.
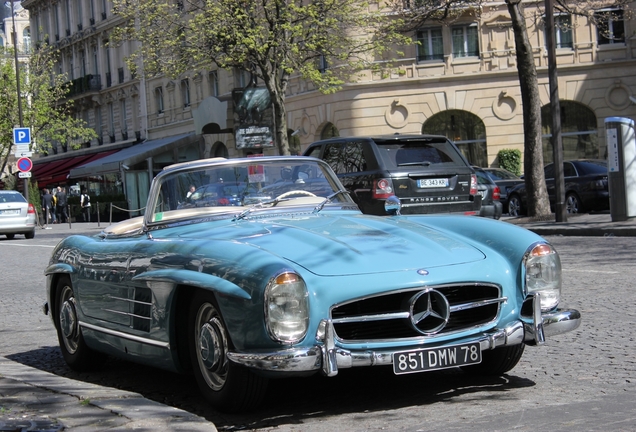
(228, 386)
(573, 204)
(10, 236)
(29, 235)
(76, 353)
(514, 206)
(497, 361)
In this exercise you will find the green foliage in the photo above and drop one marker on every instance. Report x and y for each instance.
(274, 40)
(34, 196)
(510, 159)
(44, 106)
(9, 182)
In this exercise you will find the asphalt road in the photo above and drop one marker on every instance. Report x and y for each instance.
(583, 380)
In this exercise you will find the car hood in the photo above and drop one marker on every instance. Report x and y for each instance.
(349, 245)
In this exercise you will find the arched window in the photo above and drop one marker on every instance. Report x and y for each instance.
(578, 132)
(219, 150)
(465, 129)
(329, 131)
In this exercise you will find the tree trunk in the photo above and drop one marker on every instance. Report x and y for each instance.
(280, 124)
(276, 87)
(538, 203)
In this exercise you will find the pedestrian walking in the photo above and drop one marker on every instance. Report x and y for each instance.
(62, 203)
(48, 209)
(85, 203)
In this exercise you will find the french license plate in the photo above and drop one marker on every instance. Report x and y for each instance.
(436, 358)
(432, 183)
(10, 212)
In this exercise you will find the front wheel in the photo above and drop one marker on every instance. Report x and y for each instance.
(76, 353)
(226, 385)
(497, 361)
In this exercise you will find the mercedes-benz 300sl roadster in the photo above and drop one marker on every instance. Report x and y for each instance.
(289, 278)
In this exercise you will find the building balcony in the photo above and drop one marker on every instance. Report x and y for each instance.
(85, 84)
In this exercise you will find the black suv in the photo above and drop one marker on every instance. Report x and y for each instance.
(427, 173)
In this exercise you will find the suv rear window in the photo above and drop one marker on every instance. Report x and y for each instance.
(422, 152)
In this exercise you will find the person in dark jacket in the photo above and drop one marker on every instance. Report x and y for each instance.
(62, 214)
(48, 209)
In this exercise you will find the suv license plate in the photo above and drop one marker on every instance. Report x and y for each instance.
(432, 183)
(436, 358)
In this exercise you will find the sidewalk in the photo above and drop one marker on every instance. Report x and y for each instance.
(593, 224)
(34, 400)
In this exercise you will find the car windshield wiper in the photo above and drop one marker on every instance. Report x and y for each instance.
(424, 163)
(329, 198)
(270, 202)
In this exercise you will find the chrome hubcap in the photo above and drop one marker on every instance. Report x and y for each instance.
(69, 326)
(68, 321)
(211, 347)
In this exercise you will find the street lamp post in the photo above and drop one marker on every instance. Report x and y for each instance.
(17, 81)
(555, 109)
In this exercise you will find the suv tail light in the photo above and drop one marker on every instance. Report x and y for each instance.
(31, 209)
(382, 188)
(496, 194)
(473, 184)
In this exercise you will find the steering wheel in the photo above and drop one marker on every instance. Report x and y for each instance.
(294, 192)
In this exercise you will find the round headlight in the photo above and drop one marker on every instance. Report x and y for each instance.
(543, 274)
(287, 308)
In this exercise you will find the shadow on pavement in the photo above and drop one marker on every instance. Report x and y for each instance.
(289, 401)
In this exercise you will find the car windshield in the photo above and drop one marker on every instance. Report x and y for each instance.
(232, 186)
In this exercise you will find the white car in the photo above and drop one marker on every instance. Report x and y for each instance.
(17, 216)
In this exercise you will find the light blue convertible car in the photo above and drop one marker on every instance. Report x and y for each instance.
(295, 280)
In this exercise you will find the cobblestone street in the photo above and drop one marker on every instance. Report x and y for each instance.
(589, 373)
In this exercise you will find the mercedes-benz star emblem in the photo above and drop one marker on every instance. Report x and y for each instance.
(429, 311)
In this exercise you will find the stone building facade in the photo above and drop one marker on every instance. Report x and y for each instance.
(460, 81)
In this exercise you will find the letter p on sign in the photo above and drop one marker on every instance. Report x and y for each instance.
(21, 136)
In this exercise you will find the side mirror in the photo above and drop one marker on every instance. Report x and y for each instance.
(392, 206)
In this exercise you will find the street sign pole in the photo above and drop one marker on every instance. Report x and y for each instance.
(17, 84)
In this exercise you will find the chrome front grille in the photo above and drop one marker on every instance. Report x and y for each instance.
(388, 316)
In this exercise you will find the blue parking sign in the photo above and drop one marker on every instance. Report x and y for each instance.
(21, 135)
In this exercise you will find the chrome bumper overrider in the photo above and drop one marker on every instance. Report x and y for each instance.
(330, 358)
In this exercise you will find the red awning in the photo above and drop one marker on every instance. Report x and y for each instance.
(56, 172)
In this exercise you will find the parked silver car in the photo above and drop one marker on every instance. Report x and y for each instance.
(17, 216)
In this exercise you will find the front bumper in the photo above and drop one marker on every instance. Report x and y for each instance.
(329, 358)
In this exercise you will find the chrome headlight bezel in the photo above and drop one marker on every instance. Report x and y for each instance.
(542, 274)
(286, 304)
